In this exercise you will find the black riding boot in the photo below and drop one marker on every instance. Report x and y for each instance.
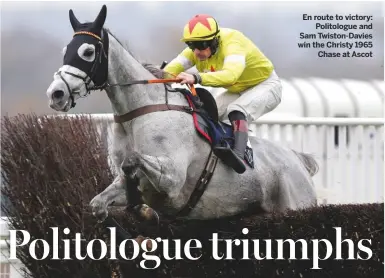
(235, 157)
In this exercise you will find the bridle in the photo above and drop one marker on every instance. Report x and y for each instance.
(97, 62)
(88, 78)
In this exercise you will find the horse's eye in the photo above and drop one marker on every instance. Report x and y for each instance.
(88, 52)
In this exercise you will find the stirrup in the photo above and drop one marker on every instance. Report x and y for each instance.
(228, 156)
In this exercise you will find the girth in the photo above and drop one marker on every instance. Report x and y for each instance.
(201, 185)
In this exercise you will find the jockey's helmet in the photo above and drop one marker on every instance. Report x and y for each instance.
(201, 27)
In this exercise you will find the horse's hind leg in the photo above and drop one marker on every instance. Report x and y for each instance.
(296, 190)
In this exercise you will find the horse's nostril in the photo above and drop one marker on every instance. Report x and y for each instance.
(58, 94)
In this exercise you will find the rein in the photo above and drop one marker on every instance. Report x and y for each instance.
(152, 81)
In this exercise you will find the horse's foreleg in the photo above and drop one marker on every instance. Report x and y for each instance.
(163, 173)
(114, 194)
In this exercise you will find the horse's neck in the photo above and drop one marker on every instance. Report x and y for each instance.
(122, 68)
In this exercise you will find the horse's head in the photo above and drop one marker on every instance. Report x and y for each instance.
(85, 63)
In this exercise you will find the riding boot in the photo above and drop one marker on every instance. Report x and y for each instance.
(235, 157)
(241, 136)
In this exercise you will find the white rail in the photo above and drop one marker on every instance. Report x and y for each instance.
(325, 121)
(350, 153)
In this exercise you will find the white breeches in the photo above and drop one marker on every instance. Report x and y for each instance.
(253, 102)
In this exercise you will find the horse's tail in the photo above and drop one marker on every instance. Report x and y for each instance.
(309, 162)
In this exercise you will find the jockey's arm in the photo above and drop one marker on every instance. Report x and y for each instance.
(181, 63)
(233, 66)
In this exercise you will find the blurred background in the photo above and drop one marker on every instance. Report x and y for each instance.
(33, 35)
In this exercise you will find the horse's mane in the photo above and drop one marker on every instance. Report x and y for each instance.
(153, 69)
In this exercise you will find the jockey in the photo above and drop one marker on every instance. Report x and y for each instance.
(226, 58)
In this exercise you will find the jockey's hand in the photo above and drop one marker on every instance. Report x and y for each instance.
(186, 78)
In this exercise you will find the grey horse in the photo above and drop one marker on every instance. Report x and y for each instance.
(159, 155)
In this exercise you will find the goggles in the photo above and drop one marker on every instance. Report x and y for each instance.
(200, 45)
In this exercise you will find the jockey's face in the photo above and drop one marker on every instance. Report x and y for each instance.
(201, 49)
(202, 54)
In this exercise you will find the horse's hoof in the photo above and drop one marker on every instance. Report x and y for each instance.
(139, 239)
(148, 214)
(100, 216)
(98, 209)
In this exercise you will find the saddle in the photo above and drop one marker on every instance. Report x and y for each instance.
(207, 124)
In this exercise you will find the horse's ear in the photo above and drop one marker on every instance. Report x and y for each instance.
(99, 21)
(74, 22)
